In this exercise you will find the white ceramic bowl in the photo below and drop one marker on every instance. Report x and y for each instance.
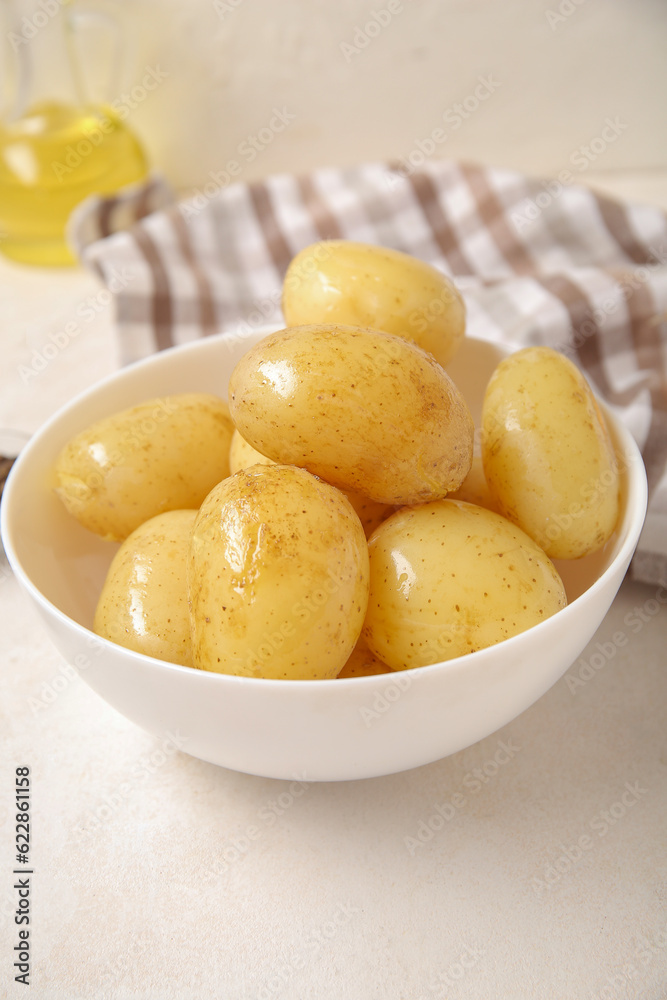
(313, 730)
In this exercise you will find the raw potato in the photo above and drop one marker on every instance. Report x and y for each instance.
(449, 578)
(357, 284)
(165, 454)
(242, 455)
(144, 601)
(548, 457)
(363, 663)
(278, 576)
(364, 410)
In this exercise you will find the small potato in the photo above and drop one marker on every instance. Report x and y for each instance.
(278, 576)
(370, 512)
(338, 281)
(363, 410)
(144, 601)
(548, 458)
(165, 454)
(242, 455)
(363, 663)
(449, 578)
(474, 488)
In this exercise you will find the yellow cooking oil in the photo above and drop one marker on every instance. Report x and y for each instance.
(52, 158)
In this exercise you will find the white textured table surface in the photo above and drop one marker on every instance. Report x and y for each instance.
(158, 876)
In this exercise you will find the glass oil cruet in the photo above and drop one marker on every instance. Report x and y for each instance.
(60, 138)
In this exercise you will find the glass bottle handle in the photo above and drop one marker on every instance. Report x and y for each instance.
(15, 67)
(77, 20)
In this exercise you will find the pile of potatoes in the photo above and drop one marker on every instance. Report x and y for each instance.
(331, 519)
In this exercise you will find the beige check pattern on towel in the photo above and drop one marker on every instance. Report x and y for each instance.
(537, 263)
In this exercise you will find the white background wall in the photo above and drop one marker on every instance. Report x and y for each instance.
(561, 68)
(561, 75)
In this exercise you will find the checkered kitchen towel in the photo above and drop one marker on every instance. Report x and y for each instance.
(537, 262)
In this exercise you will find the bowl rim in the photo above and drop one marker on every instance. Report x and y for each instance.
(634, 516)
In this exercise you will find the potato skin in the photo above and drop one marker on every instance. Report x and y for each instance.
(164, 454)
(242, 455)
(357, 284)
(370, 512)
(144, 602)
(548, 457)
(363, 663)
(474, 488)
(278, 576)
(364, 410)
(449, 578)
